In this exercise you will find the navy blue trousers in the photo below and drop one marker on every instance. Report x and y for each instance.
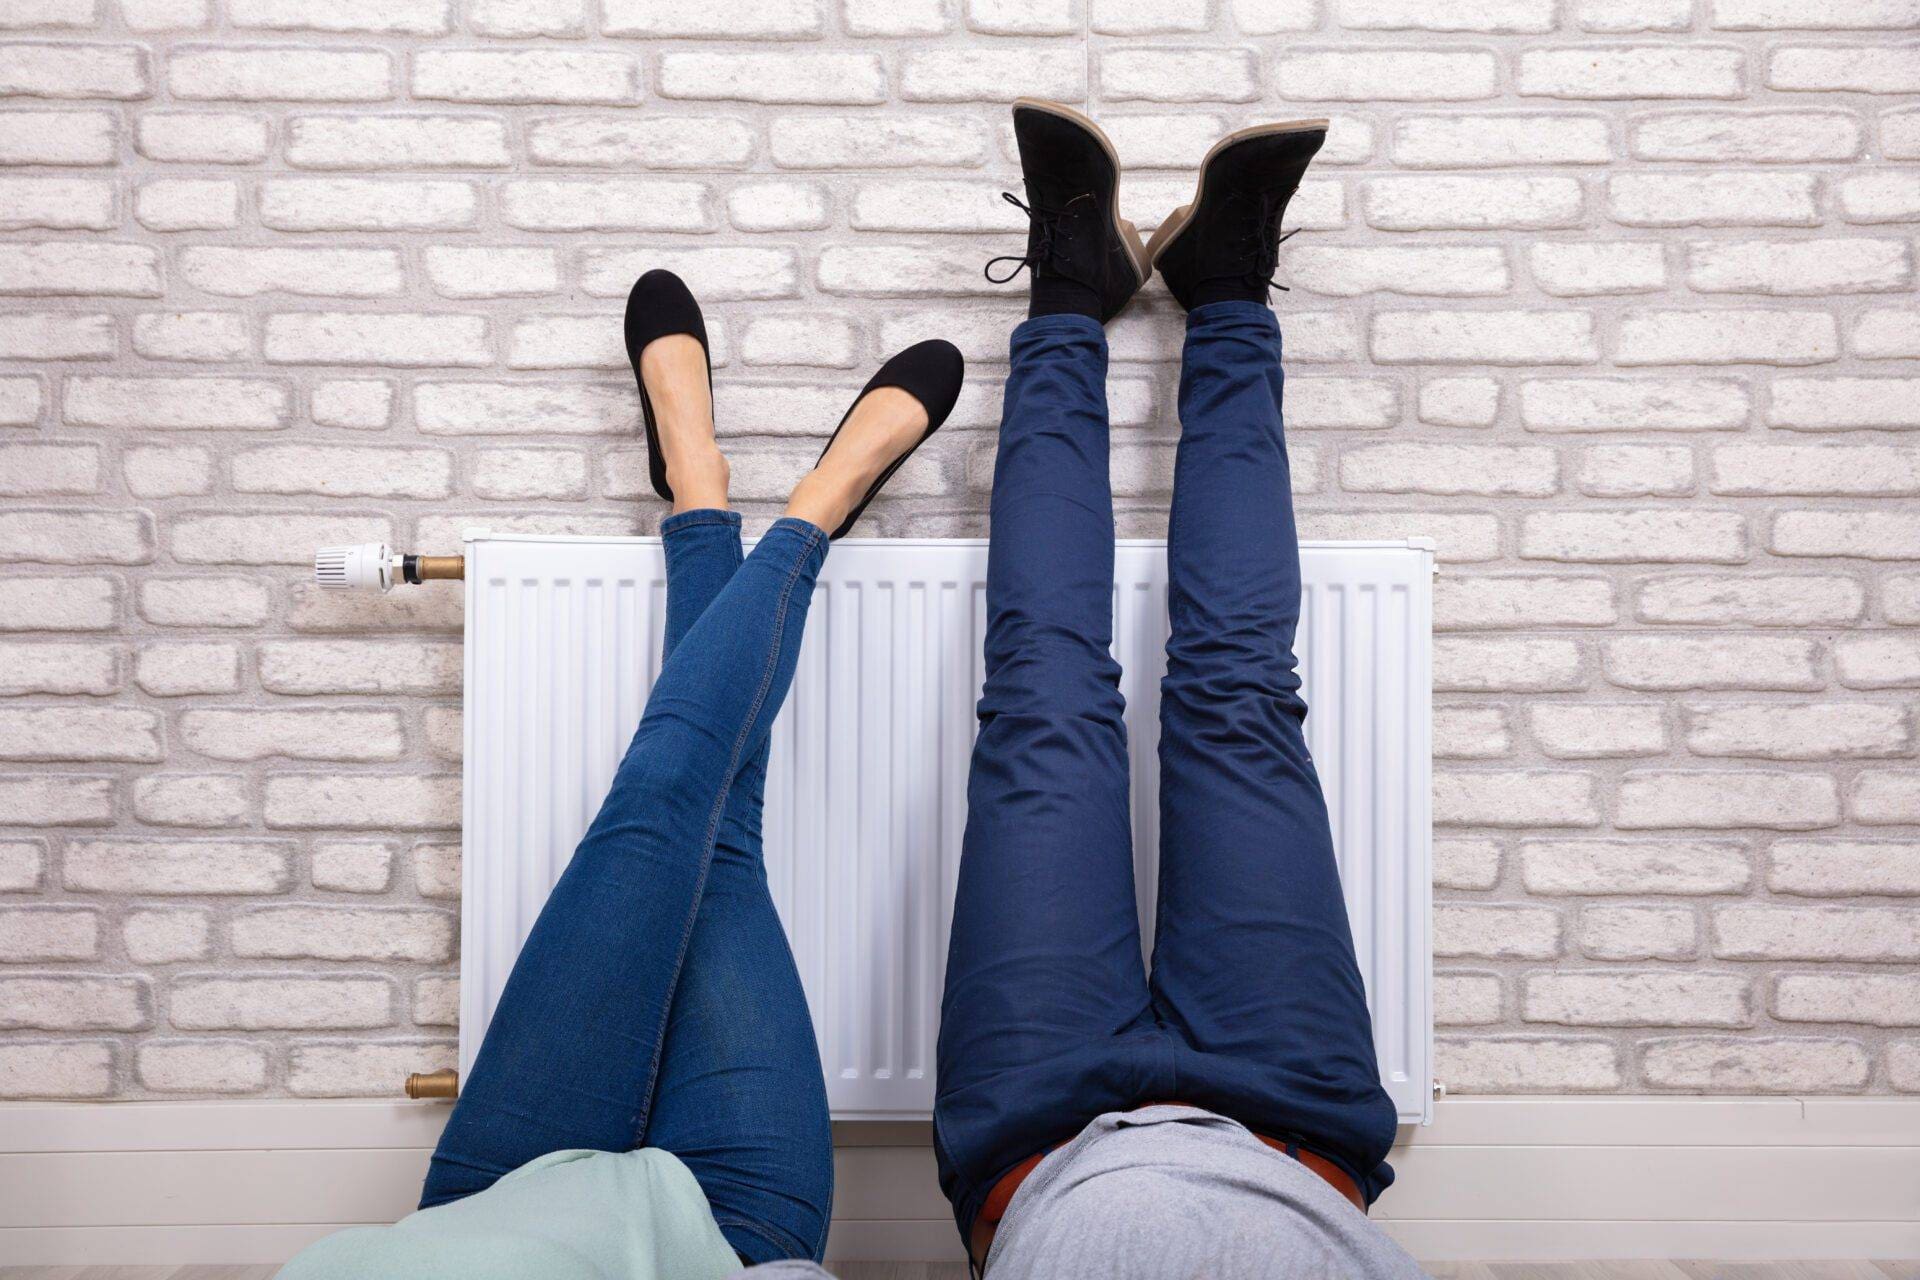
(1253, 1006)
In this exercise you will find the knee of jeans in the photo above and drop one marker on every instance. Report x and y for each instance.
(774, 1223)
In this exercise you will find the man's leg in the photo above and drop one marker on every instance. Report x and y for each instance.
(740, 1098)
(1044, 1022)
(572, 1054)
(1253, 959)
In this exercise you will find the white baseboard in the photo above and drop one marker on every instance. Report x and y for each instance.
(1524, 1179)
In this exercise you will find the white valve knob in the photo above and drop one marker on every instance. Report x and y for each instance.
(370, 566)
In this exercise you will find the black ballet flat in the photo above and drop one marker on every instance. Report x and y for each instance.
(659, 305)
(931, 372)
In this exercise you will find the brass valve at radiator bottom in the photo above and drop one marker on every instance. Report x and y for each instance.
(444, 1083)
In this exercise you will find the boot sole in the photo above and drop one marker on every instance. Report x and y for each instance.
(1180, 219)
(1129, 236)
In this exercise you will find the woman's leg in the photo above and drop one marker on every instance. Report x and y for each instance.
(1041, 1025)
(1253, 959)
(739, 1097)
(571, 1057)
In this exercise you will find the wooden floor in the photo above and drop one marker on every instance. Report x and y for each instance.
(957, 1271)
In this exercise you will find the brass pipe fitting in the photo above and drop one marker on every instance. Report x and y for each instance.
(444, 1083)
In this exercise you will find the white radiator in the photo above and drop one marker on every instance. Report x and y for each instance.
(562, 645)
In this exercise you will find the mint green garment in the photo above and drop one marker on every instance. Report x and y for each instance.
(571, 1215)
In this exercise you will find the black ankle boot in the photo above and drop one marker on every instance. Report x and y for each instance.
(1225, 246)
(1085, 257)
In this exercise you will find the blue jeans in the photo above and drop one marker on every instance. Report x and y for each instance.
(1254, 1007)
(656, 1002)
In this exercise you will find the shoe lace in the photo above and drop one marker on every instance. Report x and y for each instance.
(1261, 246)
(1049, 221)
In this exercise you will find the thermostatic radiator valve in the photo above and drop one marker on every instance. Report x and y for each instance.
(373, 566)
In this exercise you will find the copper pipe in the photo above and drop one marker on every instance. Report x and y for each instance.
(444, 1083)
(450, 568)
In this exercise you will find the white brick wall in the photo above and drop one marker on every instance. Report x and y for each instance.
(1614, 298)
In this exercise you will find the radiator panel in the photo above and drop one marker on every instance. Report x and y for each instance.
(563, 643)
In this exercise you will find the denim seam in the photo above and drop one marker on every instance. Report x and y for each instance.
(718, 811)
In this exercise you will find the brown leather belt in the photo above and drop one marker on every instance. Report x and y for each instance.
(987, 1221)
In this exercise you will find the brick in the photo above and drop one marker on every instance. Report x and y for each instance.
(718, 275)
(353, 866)
(1179, 75)
(303, 734)
(1459, 537)
(359, 802)
(891, 142)
(1815, 469)
(1466, 999)
(237, 404)
(344, 471)
(1649, 998)
(1484, 337)
(402, 341)
(22, 865)
(1806, 267)
(1844, 404)
(1350, 272)
(196, 72)
(56, 1069)
(1023, 17)
(1473, 15)
(1880, 1000)
(746, 20)
(1496, 932)
(1590, 731)
(1632, 71)
(880, 271)
(366, 204)
(79, 733)
(1465, 863)
(1886, 798)
(362, 1069)
(436, 870)
(1525, 1064)
(525, 75)
(929, 206)
(62, 204)
(1878, 197)
(571, 342)
(1626, 536)
(1390, 75)
(167, 866)
(202, 137)
(1712, 662)
(1867, 535)
(36, 934)
(777, 206)
(359, 666)
(1776, 15)
(57, 137)
(44, 335)
(1458, 402)
(1431, 202)
(356, 404)
(187, 205)
(529, 473)
(1633, 404)
(396, 142)
(1878, 662)
(528, 17)
(1519, 470)
(1484, 602)
(1724, 1064)
(73, 71)
(1747, 137)
(1499, 141)
(1891, 334)
(74, 1003)
(1148, 17)
(1581, 868)
(1589, 270)
(1727, 337)
(436, 1002)
(1514, 798)
(1167, 141)
(605, 205)
(1713, 200)
(1798, 731)
(204, 602)
(166, 937)
(466, 408)
(20, 401)
(280, 1002)
(1843, 868)
(59, 668)
(660, 142)
(1899, 598)
(1900, 134)
(851, 78)
(171, 670)
(814, 340)
(1315, 403)
(1859, 69)
(1725, 799)
(167, 471)
(56, 800)
(73, 269)
(396, 17)
(191, 800)
(1773, 600)
(300, 272)
(49, 468)
(443, 730)
(343, 933)
(990, 75)
(76, 536)
(1860, 934)
(1471, 733)
(1903, 1066)
(201, 337)
(202, 1066)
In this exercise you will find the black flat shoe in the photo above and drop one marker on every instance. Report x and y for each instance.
(659, 305)
(931, 372)
(1225, 246)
